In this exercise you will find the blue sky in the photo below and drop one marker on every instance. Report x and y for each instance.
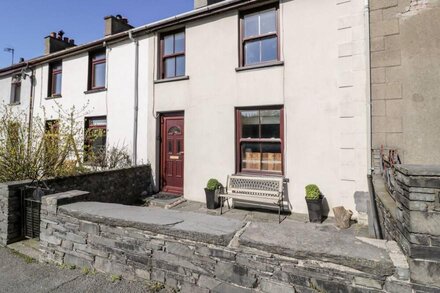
(25, 23)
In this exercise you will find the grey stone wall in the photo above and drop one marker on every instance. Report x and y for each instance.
(404, 89)
(123, 186)
(413, 220)
(193, 265)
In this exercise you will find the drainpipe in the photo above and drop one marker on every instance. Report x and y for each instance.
(373, 209)
(136, 96)
(31, 108)
(368, 87)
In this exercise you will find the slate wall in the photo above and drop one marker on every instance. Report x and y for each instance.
(194, 265)
(413, 220)
(123, 186)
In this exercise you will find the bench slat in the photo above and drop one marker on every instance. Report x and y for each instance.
(251, 191)
(254, 199)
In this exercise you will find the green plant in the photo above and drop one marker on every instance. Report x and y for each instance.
(213, 184)
(71, 267)
(156, 287)
(312, 192)
(115, 278)
(85, 270)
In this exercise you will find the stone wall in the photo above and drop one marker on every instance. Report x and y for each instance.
(404, 90)
(123, 186)
(413, 219)
(194, 263)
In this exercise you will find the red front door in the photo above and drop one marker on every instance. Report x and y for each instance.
(172, 153)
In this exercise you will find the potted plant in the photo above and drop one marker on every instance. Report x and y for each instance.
(212, 189)
(314, 203)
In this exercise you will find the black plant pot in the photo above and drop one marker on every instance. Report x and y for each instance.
(315, 210)
(212, 201)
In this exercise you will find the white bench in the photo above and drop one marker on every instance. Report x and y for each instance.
(254, 189)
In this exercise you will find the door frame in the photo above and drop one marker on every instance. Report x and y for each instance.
(163, 152)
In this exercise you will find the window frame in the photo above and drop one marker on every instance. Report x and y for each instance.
(239, 140)
(92, 63)
(243, 40)
(163, 57)
(52, 78)
(87, 141)
(51, 136)
(16, 83)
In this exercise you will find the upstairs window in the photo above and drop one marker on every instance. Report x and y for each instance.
(15, 90)
(97, 70)
(172, 55)
(259, 37)
(55, 79)
(95, 138)
(260, 140)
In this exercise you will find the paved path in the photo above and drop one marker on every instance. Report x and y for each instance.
(16, 275)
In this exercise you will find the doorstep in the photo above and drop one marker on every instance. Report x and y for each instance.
(28, 247)
(164, 200)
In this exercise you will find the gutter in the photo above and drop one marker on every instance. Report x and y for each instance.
(146, 29)
(136, 96)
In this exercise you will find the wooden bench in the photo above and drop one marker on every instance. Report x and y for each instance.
(254, 189)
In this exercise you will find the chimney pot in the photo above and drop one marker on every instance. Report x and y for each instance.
(55, 43)
(116, 24)
(203, 3)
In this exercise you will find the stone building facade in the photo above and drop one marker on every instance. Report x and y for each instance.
(405, 83)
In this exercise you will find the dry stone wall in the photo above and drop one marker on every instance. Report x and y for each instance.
(123, 186)
(193, 263)
(413, 220)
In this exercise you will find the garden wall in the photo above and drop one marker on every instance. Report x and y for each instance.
(413, 219)
(194, 258)
(123, 186)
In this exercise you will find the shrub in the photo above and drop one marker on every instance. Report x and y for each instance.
(312, 192)
(213, 184)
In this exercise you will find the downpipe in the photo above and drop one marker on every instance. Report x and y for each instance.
(373, 208)
(136, 97)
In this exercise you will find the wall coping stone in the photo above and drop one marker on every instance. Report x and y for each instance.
(87, 174)
(419, 170)
(384, 196)
(322, 242)
(188, 225)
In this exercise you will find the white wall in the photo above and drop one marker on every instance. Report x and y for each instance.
(322, 85)
(321, 145)
(117, 102)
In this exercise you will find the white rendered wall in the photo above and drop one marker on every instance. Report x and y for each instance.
(321, 145)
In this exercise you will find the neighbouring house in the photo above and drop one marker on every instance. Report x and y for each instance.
(240, 86)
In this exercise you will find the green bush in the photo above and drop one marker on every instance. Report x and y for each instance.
(213, 184)
(312, 192)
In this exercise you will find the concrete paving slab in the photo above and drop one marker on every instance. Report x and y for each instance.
(189, 225)
(318, 242)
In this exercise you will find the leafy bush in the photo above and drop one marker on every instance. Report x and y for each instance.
(312, 192)
(213, 184)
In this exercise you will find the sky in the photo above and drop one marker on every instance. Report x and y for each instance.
(25, 23)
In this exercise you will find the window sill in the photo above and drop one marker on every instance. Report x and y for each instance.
(186, 77)
(258, 66)
(92, 91)
(15, 104)
(53, 97)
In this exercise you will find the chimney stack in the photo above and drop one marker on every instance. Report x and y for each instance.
(116, 24)
(202, 3)
(55, 42)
